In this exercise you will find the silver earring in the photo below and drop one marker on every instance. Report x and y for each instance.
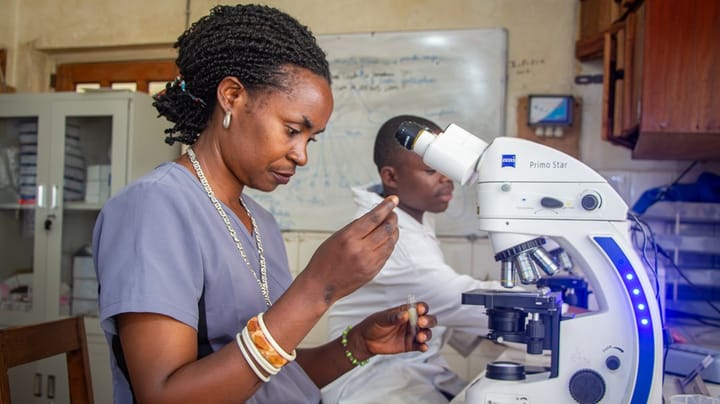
(226, 119)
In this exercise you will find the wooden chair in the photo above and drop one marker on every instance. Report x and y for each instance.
(25, 344)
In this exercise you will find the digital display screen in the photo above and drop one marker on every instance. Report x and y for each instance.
(550, 110)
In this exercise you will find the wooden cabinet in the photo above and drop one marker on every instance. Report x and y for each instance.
(661, 79)
(53, 148)
(622, 58)
(596, 18)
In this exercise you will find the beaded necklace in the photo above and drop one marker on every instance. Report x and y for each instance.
(262, 281)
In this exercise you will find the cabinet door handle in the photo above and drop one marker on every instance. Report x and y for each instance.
(53, 196)
(51, 387)
(37, 385)
(40, 196)
(49, 222)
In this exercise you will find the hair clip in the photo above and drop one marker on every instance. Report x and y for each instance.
(180, 82)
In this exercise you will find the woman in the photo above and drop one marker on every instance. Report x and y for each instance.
(196, 298)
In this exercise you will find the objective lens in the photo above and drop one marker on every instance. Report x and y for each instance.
(544, 261)
(562, 258)
(525, 269)
(507, 274)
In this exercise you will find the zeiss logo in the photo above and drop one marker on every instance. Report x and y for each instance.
(508, 160)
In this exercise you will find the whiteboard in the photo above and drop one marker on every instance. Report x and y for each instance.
(454, 76)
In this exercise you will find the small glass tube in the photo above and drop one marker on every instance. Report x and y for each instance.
(412, 311)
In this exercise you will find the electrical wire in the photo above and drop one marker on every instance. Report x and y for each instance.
(705, 320)
(647, 233)
(665, 189)
(690, 283)
(645, 230)
(687, 169)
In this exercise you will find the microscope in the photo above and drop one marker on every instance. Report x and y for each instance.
(530, 196)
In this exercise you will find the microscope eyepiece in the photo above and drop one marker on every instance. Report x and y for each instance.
(454, 153)
(408, 132)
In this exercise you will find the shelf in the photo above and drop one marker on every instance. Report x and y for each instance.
(684, 212)
(16, 206)
(698, 244)
(79, 206)
(697, 292)
(83, 205)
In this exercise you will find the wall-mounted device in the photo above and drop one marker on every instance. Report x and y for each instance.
(550, 114)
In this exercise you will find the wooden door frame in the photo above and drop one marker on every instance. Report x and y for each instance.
(141, 72)
(3, 61)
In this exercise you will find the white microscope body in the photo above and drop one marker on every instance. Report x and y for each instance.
(527, 192)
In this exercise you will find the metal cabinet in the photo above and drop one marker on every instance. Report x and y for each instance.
(689, 234)
(61, 156)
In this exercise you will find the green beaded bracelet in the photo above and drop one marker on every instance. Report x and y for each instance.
(349, 354)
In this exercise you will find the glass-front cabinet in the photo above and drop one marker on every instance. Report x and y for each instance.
(61, 156)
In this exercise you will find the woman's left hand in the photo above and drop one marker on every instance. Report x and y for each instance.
(389, 331)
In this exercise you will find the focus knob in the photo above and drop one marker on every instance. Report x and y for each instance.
(612, 362)
(587, 386)
(590, 202)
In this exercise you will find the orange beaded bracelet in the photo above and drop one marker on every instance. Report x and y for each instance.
(263, 345)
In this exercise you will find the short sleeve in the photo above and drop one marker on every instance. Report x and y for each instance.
(146, 257)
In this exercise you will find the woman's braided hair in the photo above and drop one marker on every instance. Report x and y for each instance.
(254, 43)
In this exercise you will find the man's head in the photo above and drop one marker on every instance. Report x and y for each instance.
(420, 188)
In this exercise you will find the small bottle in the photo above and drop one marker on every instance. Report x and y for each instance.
(412, 311)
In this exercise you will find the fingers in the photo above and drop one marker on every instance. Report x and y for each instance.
(388, 331)
(422, 308)
(379, 218)
(399, 315)
(421, 339)
(428, 321)
(356, 253)
(425, 324)
(423, 333)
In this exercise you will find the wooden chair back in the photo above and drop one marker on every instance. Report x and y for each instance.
(30, 343)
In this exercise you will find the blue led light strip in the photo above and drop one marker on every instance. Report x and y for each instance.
(643, 319)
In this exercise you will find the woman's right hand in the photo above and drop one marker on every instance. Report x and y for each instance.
(353, 255)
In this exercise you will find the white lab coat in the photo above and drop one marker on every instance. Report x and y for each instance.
(416, 267)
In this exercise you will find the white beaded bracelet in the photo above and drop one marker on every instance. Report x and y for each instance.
(273, 343)
(256, 353)
(249, 359)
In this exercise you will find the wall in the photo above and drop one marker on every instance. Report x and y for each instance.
(541, 37)
(541, 31)
(541, 59)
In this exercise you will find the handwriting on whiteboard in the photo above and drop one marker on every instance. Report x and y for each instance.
(447, 76)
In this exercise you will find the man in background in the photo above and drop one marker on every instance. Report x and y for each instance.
(416, 267)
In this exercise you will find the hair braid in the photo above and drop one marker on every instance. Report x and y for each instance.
(251, 42)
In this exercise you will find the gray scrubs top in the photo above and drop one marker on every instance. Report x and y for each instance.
(161, 247)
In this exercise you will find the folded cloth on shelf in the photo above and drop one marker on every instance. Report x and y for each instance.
(705, 189)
